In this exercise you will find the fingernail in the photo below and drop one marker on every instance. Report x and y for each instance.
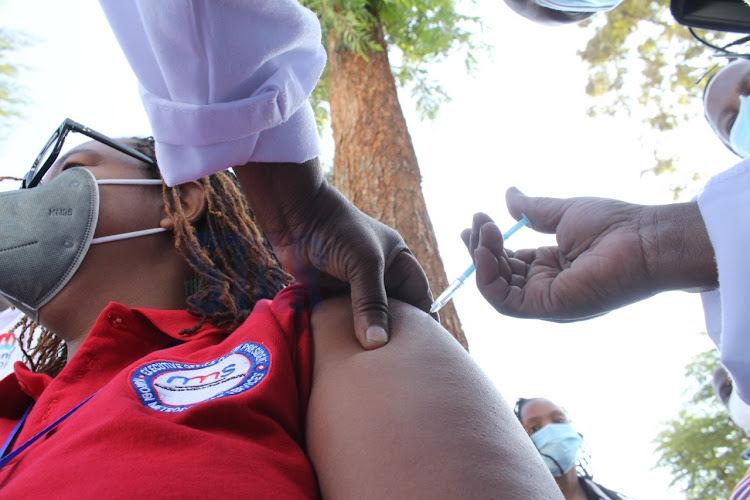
(376, 334)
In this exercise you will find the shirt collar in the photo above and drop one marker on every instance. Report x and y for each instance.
(172, 322)
(30, 383)
(167, 322)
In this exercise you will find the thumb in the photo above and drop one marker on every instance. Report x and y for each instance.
(544, 213)
(370, 307)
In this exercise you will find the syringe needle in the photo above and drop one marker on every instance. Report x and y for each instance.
(444, 297)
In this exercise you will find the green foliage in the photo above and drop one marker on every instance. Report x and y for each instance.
(416, 33)
(8, 71)
(643, 63)
(350, 20)
(319, 101)
(701, 447)
(641, 36)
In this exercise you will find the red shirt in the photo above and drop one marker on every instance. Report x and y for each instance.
(215, 416)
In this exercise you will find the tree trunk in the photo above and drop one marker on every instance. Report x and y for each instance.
(375, 165)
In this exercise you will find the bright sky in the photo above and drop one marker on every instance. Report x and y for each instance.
(520, 121)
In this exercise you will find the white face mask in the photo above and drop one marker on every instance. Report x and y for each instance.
(739, 412)
(45, 233)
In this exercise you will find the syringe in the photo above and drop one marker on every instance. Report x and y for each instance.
(458, 282)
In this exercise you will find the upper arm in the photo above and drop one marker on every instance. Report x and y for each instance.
(415, 418)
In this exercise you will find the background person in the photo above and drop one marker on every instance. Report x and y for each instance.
(738, 410)
(739, 414)
(727, 108)
(548, 426)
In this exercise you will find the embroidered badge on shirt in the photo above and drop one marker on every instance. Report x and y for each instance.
(171, 387)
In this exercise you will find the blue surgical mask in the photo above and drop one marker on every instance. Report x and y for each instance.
(739, 136)
(578, 5)
(558, 444)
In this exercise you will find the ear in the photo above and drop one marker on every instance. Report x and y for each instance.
(193, 202)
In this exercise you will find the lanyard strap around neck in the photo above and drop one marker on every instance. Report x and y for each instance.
(15, 430)
(13, 454)
(4, 459)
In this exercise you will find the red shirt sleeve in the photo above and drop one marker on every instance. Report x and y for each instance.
(292, 308)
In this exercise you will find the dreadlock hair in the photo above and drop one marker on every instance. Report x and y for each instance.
(520, 402)
(233, 263)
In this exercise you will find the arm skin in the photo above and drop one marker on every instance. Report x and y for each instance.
(323, 240)
(680, 254)
(609, 254)
(414, 419)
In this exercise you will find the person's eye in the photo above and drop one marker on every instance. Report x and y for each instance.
(531, 430)
(70, 164)
(730, 122)
(55, 171)
(561, 420)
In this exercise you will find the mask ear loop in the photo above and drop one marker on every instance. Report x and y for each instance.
(125, 236)
(132, 234)
(144, 182)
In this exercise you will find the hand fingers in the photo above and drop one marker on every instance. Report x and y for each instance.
(466, 237)
(492, 285)
(494, 271)
(525, 255)
(499, 277)
(369, 304)
(405, 280)
(544, 213)
(477, 222)
(518, 270)
(470, 236)
(490, 266)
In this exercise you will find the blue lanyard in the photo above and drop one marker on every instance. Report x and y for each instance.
(15, 430)
(13, 454)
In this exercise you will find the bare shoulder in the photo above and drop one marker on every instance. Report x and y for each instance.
(416, 418)
(414, 335)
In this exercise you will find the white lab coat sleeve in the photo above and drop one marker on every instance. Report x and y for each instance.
(223, 82)
(725, 207)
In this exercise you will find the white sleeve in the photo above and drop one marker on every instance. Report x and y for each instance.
(223, 82)
(725, 207)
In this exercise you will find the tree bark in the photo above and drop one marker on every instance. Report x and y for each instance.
(375, 165)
